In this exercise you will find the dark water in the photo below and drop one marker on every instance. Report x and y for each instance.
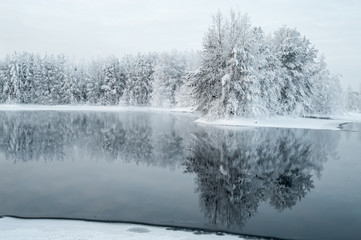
(164, 169)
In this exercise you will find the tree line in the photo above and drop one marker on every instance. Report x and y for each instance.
(132, 80)
(241, 72)
(352, 100)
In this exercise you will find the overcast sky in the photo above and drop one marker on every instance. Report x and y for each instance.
(90, 28)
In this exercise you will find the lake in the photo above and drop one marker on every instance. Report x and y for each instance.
(163, 169)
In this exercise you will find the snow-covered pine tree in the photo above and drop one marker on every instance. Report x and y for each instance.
(12, 83)
(114, 82)
(69, 85)
(29, 74)
(47, 80)
(271, 78)
(18, 78)
(297, 56)
(74, 84)
(327, 92)
(236, 67)
(80, 94)
(183, 96)
(353, 100)
(94, 81)
(139, 76)
(168, 73)
(58, 89)
(210, 82)
(2, 79)
(5, 79)
(251, 73)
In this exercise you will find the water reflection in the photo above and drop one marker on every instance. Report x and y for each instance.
(55, 136)
(235, 169)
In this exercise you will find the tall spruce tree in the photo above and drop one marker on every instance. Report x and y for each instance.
(297, 57)
(168, 73)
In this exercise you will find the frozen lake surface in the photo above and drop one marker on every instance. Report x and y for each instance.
(164, 169)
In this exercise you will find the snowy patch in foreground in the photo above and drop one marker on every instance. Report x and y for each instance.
(281, 122)
(19, 229)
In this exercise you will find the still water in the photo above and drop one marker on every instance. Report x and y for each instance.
(164, 169)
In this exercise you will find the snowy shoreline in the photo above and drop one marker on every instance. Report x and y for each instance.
(333, 123)
(33, 107)
(280, 122)
(44, 229)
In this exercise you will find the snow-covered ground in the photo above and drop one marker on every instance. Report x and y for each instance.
(276, 122)
(352, 117)
(20, 229)
(281, 122)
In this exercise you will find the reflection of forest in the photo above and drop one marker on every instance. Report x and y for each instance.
(236, 170)
(52, 136)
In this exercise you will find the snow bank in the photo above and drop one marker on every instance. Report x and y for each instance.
(281, 122)
(31, 107)
(19, 229)
(351, 117)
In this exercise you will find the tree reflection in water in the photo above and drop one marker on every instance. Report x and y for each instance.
(56, 136)
(236, 170)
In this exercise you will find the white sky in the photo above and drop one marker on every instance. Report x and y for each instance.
(90, 28)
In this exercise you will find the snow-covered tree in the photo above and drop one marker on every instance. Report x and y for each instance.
(254, 75)
(75, 85)
(183, 96)
(327, 92)
(297, 57)
(12, 79)
(139, 76)
(17, 78)
(168, 73)
(244, 73)
(48, 81)
(353, 100)
(94, 81)
(211, 82)
(113, 83)
(237, 68)
(2, 79)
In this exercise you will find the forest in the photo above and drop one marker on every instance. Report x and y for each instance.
(241, 71)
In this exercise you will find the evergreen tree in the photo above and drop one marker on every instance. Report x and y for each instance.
(139, 75)
(94, 82)
(210, 83)
(353, 100)
(327, 94)
(114, 82)
(237, 67)
(297, 57)
(2, 80)
(168, 73)
(12, 83)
